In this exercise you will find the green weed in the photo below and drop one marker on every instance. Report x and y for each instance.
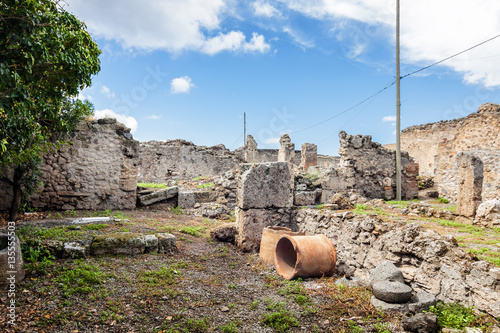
(95, 226)
(453, 315)
(320, 206)
(232, 327)
(443, 200)
(81, 279)
(207, 185)
(280, 321)
(152, 185)
(177, 210)
(193, 231)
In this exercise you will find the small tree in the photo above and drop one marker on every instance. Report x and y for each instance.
(46, 57)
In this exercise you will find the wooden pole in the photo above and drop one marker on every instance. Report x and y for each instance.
(398, 111)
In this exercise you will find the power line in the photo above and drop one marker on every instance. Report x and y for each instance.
(347, 110)
(452, 56)
(235, 142)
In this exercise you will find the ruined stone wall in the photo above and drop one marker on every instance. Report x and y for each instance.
(97, 171)
(369, 169)
(435, 147)
(180, 159)
(428, 261)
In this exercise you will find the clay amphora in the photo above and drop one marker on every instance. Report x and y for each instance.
(270, 236)
(305, 256)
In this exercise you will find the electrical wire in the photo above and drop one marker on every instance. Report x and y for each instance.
(235, 142)
(448, 58)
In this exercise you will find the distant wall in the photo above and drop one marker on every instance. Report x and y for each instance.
(97, 171)
(180, 159)
(435, 146)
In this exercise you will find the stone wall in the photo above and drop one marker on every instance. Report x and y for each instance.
(97, 171)
(435, 147)
(429, 261)
(180, 159)
(369, 169)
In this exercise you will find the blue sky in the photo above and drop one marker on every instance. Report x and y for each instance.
(189, 69)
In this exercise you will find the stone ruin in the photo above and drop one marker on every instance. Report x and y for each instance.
(430, 264)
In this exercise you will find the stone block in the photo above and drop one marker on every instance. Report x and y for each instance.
(386, 271)
(9, 244)
(422, 301)
(158, 196)
(251, 222)
(74, 250)
(389, 307)
(225, 232)
(488, 213)
(421, 323)
(264, 185)
(128, 243)
(188, 199)
(166, 243)
(470, 184)
(392, 292)
(151, 244)
(309, 156)
(307, 198)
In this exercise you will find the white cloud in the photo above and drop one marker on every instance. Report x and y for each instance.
(273, 140)
(389, 119)
(303, 42)
(153, 116)
(181, 85)
(430, 30)
(128, 121)
(106, 91)
(173, 25)
(262, 8)
(235, 41)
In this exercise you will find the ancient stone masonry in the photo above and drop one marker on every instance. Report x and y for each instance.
(429, 262)
(179, 159)
(309, 156)
(368, 169)
(435, 147)
(98, 170)
(287, 150)
(263, 199)
(470, 184)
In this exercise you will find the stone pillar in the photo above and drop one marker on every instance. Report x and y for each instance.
(287, 149)
(470, 185)
(263, 199)
(251, 151)
(308, 156)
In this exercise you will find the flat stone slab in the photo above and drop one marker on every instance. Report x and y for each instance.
(158, 196)
(151, 244)
(74, 250)
(392, 292)
(422, 301)
(86, 220)
(389, 307)
(128, 243)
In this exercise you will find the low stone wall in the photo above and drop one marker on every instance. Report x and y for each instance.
(98, 170)
(429, 262)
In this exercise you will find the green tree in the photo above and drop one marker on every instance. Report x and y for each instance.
(46, 57)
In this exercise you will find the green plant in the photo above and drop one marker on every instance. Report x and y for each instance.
(80, 279)
(453, 315)
(443, 200)
(254, 304)
(354, 328)
(207, 185)
(280, 321)
(37, 258)
(152, 185)
(193, 231)
(232, 327)
(320, 206)
(360, 208)
(177, 210)
(301, 299)
(95, 226)
(381, 328)
(312, 176)
(232, 286)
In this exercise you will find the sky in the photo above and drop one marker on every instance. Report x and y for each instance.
(190, 69)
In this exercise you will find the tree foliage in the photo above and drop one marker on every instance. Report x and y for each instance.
(46, 57)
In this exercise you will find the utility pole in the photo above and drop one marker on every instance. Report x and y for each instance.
(398, 111)
(244, 129)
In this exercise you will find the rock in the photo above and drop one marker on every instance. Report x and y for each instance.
(86, 220)
(151, 244)
(308, 156)
(74, 250)
(286, 152)
(386, 271)
(224, 232)
(264, 185)
(128, 243)
(251, 222)
(389, 307)
(470, 184)
(488, 213)
(307, 198)
(166, 243)
(422, 301)
(55, 248)
(158, 196)
(392, 292)
(341, 201)
(213, 210)
(8, 245)
(421, 323)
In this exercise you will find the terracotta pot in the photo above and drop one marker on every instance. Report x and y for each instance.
(270, 236)
(305, 256)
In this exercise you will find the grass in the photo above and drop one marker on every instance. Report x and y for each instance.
(193, 231)
(152, 185)
(281, 320)
(202, 186)
(457, 316)
(80, 279)
(157, 282)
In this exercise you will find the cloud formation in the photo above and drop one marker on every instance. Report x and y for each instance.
(430, 30)
(173, 25)
(389, 119)
(181, 85)
(265, 9)
(128, 121)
